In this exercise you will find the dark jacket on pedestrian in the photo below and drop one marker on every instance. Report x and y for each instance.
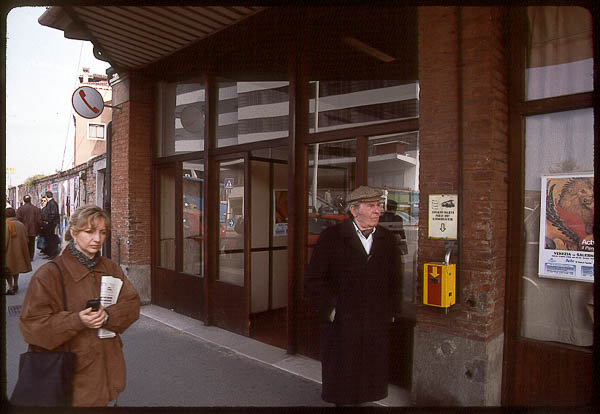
(362, 289)
(100, 366)
(31, 217)
(50, 213)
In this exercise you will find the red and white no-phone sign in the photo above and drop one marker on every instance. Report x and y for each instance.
(87, 102)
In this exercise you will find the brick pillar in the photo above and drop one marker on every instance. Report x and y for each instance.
(458, 355)
(131, 178)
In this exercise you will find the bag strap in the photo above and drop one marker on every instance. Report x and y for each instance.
(64, 294)
(62, 284)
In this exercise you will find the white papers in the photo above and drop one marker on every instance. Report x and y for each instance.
(109, 293)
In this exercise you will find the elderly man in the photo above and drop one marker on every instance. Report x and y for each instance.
(31, 217)
(351, 280)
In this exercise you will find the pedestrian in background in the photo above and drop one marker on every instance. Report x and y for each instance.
(31, 217)
(16, 250)
(50, 218)
(46, 326)
(351, 281)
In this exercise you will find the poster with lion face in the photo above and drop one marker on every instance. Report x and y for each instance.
(566, 227)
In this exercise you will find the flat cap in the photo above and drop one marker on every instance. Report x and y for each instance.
(365, 194)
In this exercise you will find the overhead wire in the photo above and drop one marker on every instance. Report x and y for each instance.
(69, 120)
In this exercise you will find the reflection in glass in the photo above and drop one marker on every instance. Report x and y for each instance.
(231, 222)
(344, 104)
(193, 216)
(181, 121)
(553, 309)
(331, 177)
(394, 166)
(252, 111)
(166, 234)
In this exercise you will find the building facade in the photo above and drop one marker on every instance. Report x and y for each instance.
(85, 182)
(241, 130)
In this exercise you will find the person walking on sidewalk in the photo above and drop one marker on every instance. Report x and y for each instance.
(31, 217)
(17, 253)
(50, 218)
(351, 281)
(46, 326)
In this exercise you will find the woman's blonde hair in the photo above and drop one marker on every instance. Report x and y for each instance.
(85, 217)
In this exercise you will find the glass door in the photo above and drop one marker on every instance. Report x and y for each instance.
(230, 307)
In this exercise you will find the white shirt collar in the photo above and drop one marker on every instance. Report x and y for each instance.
(367, 242)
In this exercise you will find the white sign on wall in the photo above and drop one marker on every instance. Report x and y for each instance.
(87, 102)
(443, 216)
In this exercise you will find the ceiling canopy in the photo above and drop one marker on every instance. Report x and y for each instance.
(130, 38)
(335, 42)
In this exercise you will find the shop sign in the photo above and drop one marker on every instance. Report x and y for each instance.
(87, 102)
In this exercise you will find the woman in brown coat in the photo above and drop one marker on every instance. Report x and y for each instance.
(46, 326)
(17, 251)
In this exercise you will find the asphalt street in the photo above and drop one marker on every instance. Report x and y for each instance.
(167, 367)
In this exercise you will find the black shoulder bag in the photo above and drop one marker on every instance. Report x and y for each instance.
(46, 378)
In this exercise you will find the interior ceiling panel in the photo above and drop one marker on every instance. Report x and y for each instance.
(133, 37)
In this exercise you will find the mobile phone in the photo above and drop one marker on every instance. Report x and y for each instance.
(94, 304)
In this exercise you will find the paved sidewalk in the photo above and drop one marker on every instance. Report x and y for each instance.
(174, 360)
(296, 364)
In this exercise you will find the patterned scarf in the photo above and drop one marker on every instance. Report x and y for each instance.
(367, 232)
(83, 259)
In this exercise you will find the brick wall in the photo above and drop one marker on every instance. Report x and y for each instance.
(479, 311)
(131, 175)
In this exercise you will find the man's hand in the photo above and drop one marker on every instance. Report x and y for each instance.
(92, 320)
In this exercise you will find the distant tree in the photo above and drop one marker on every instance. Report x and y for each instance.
(29, 181)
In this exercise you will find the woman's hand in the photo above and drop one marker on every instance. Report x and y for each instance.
(92, 320)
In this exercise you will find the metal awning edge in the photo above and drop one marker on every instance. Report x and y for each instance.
(55, 17)
(75, 27)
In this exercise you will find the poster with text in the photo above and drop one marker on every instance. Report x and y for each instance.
(566, 227)
(280, 219)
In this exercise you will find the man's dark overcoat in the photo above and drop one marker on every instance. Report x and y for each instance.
(31, 217)
(361, 288)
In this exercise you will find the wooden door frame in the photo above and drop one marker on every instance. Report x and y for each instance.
(215, 287)
(516, 348)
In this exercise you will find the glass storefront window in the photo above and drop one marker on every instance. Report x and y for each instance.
(394, 166)
(331, 177)
(193, 216)
(557, 298)
(560, 52)
(345, 104)
(231, 222)
(166, 236)
(251, 112)
(181, 120)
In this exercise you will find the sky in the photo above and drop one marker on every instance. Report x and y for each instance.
(42, 69)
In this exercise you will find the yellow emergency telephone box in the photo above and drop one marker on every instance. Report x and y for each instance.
(439, 284)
